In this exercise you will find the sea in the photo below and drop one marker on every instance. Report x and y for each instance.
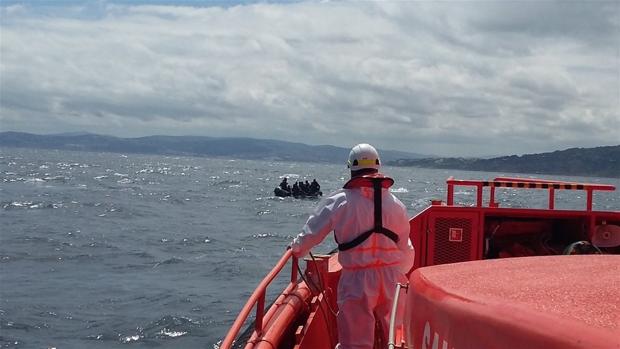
(107, 250)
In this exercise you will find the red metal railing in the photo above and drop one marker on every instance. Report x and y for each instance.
(258, 298)
(524, 183)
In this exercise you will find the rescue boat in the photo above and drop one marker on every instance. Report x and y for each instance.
(484, 276)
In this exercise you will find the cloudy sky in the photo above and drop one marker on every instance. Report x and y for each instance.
(465, 78)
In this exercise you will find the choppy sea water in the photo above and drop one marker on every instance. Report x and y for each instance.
(101, 250)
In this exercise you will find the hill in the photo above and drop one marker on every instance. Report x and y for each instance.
(239, 148)
(599, 161)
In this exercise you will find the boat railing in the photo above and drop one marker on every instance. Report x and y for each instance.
(258, 299)
(524, 183)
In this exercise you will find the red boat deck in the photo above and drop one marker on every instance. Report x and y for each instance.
(532, 302)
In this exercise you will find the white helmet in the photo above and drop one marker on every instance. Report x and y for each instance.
(363, 156)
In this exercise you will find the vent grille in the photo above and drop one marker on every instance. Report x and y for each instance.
(446, 251)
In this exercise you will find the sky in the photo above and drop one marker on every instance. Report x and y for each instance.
(448, 78)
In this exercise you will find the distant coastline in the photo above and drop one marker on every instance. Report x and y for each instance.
(227, 147)
(599, 161)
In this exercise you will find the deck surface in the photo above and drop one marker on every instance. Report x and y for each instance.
(581, 288)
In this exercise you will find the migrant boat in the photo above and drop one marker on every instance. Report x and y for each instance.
(484, 276)
(279, 192)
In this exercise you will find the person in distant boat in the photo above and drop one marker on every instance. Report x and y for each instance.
(314, 186)
(284, 184)
(302, 188)
(295, 190)
(375, 250)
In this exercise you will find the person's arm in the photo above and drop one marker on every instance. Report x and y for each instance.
(318, 225)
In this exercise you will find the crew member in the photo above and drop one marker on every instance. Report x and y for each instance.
(375, 250)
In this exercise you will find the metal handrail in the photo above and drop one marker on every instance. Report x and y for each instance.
(391, 344)
(524, 183)
(258, 298)
(596, 186)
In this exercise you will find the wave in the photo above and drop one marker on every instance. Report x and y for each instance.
(8, 342)
(96, 244)
(168, 327)
(82, 257)
(227, 182)
(10, 325)
(195, 241)
(174, 200)
(274, 236)
(56, 178)
(173, 260)
(141, 254)
(30, 205)
(129, 339)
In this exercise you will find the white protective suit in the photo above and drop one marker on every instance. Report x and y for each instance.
(371, 269)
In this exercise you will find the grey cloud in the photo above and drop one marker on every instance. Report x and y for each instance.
(15, 96)
(593, 23)
(512, 28)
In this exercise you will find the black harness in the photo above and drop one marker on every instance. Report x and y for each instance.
(378, 228)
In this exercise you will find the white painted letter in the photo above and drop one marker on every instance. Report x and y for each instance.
(426, 339)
